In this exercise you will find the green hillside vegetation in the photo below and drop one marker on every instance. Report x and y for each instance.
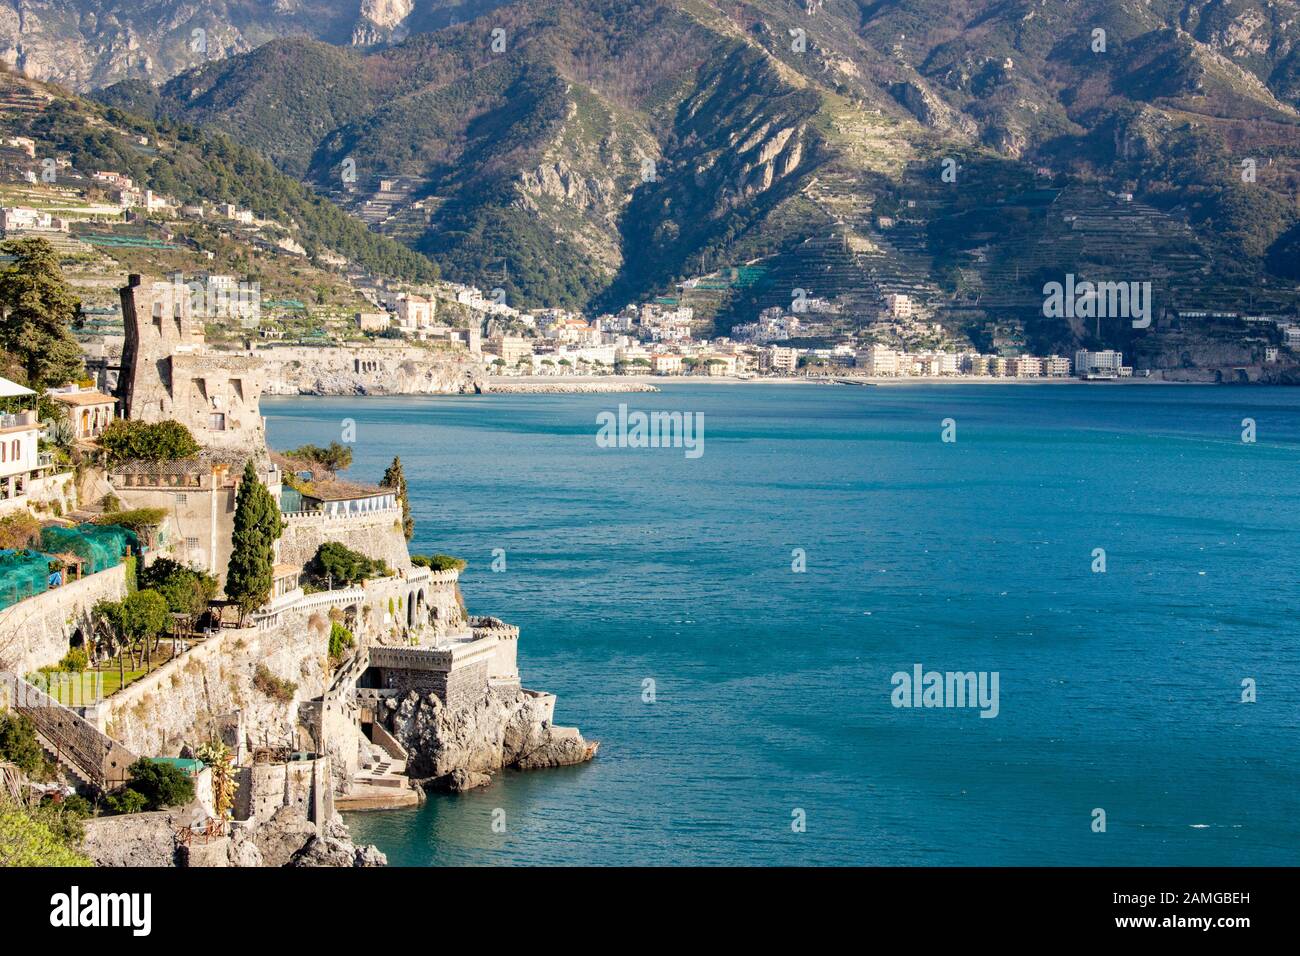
(190, 165)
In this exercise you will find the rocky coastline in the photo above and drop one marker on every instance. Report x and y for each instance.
(452, 749)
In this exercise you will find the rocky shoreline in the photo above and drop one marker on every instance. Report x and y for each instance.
(287, 839)
(452, 749)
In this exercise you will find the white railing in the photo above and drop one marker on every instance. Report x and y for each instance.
(324, 598)
(342, 515)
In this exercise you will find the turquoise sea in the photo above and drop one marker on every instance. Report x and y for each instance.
(1120, 691)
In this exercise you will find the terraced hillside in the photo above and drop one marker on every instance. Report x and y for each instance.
(589, 152)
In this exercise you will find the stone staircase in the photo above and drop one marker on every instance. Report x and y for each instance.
(79, 781)
(386, 773)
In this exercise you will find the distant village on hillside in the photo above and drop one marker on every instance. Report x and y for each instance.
(100, 221)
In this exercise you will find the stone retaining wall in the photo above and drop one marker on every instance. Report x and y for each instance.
(188, 699)
(35, 633)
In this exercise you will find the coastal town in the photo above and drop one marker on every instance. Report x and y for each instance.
(370, 326)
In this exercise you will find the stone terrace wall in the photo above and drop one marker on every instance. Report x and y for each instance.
(376, 535)
(184, 700)
(34, 633)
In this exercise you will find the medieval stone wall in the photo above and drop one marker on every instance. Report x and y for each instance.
(375, 534)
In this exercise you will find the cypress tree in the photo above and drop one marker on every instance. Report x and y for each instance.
(393, 478)
(250, 576)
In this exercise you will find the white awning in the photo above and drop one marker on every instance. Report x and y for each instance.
(10, 389)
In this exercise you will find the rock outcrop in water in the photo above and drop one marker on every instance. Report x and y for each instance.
(451, 748)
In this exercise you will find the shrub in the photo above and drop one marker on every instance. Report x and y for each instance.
(276, 688)
(75, 661)
(18, 745)
(110, 502)
(127, 801)
(18, 531)
(138, 520)
(161, 784)
(28, 839)
(341, 640)
(132, 440)
(338, 564)
(439, 562)
(64, 817)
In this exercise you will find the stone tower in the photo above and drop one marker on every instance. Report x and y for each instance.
(169, 373)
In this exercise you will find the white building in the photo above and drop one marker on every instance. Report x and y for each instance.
(783, 360)
(1056, 366)
(415, 313)
(22, 219)
(900, 306)
(1028, 366)
(878, 360)
(21, 461)
(1106, 364)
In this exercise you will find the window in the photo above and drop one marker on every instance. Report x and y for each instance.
(192, 544)
(217, 422)
(182, 499)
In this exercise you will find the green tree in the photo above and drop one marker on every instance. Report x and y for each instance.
(250, 574)
(334, 458)
(186, 590)
(36, 313)
(393, 478)
(336, 565)
(341, 640)
(144, 618)
(125, 440)
(28, 839)
(161, 784)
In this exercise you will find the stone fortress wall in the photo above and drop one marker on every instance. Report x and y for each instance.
(169, 373)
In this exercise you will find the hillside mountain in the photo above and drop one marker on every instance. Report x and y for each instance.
(608, 150)
(84, 44)
(192, 166)
(725, 155)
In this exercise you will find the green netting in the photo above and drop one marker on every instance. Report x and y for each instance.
(23, 574)
(100, 546)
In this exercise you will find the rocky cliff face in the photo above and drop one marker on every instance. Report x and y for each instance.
(377, 371)
(287, 839)
(456, 747)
